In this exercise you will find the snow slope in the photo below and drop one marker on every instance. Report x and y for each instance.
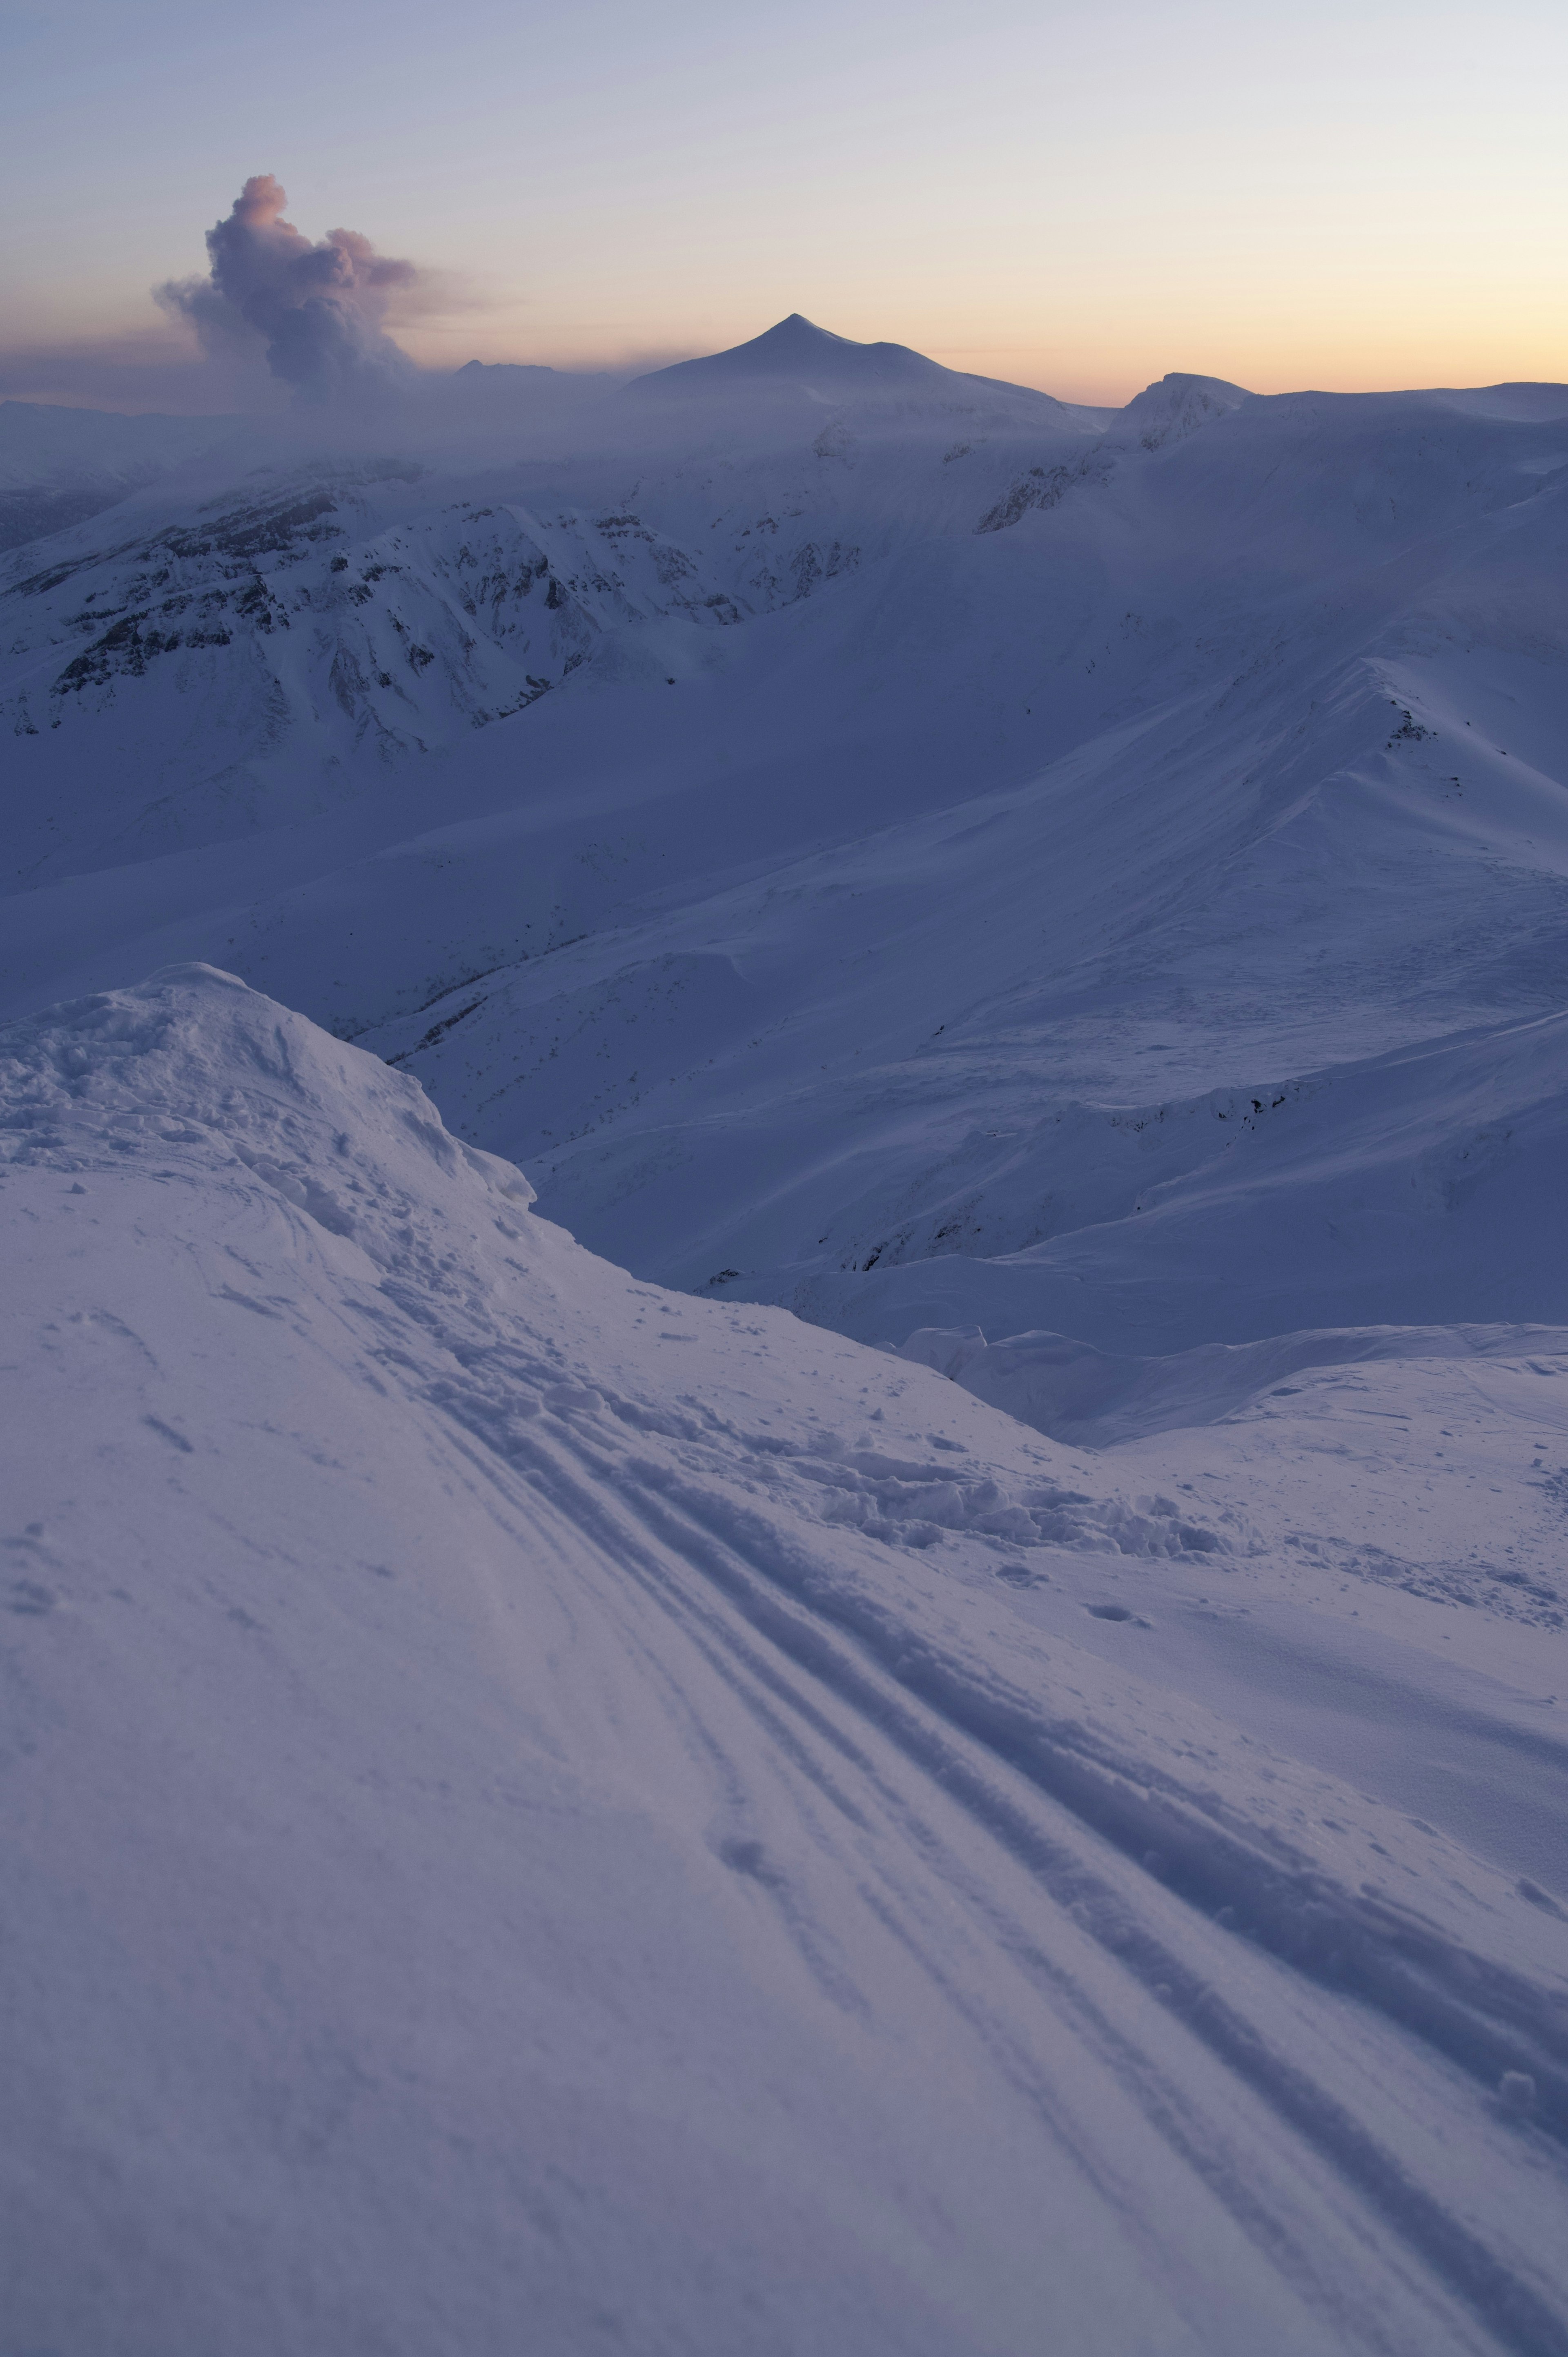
(1218, 999)
(546, 1813)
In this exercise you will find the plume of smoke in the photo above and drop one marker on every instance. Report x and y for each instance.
(318, 307)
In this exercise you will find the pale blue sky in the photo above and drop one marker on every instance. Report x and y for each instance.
(1078, 197)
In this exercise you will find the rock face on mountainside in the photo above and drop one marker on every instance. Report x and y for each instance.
(528, 1796)
(339, 608)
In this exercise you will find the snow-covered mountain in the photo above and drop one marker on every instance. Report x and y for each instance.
(975, 864)
(267, 648)
(539, 1805)
(799, 357)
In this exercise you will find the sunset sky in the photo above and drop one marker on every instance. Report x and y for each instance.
(1078, 197)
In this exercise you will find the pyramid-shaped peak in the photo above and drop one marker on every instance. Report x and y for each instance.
(797, 355)
(798, 330)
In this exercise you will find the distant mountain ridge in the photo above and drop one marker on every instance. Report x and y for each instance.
(60, 465)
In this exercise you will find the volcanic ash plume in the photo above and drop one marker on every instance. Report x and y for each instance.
(318, 307)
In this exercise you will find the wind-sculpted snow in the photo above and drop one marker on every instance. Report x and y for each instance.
(536, 1796)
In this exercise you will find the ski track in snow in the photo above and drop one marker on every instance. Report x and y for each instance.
(758, 1589)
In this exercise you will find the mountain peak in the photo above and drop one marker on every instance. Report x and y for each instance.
(1177, 405)
(796, 355)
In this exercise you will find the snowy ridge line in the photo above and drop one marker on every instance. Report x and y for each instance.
(1170, 411)
(901, 1683)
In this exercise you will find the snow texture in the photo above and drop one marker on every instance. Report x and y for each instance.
(533, 1796)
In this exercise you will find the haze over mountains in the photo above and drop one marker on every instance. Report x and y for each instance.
(1115, 771)
(1057, 1814)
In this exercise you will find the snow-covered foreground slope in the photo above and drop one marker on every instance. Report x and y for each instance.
(542, 1813)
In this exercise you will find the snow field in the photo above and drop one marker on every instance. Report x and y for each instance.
(536, 1796)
